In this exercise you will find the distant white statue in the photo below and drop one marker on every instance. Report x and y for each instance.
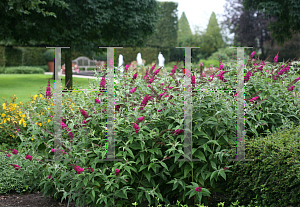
(139, 59)
(121, 63)
(120, 60)
(161, 60)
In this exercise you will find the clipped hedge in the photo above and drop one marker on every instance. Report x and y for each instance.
(273, 177)
(23, 70)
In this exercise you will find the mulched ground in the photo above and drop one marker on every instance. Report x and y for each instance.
(32, 200)
(37, 200)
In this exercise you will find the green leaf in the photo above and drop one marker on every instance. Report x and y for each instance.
(142, 157)
(213, 165)
(177, 155)
(150, 166)
(175, 185)
(213, 175)
(142, 167)
(148, 175)
(127, 168)
(187, 170)
(93, 195)
(121, 194)
(164, 165)
(148, 197)
(140, 194)
(192, 193)
(85, 181)
(64, 196)
(221, 171)
(130, 152)
(213, 141)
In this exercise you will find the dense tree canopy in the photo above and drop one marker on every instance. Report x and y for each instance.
(83, 25)
(288, 13)
(165, 34)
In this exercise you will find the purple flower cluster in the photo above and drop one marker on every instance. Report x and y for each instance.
(254, 99)
(177, 132)
(48, 90)
(145, 101)
(247, 76)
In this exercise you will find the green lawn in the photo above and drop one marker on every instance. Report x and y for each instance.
(26, 85)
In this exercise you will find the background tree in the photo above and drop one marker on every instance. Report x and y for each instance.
(288, 13)
(248, 25)
(212, 39)
(165, 35)
(13, 7)
(84, 25)
(184, 30)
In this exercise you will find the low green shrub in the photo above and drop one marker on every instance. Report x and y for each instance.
(208, 63)
(24, 70)
(273, 178)
(11, 180)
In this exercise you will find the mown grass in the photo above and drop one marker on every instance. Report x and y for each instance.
(25, 85)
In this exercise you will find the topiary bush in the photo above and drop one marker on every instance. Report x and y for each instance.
(273, 177)
(49, 55)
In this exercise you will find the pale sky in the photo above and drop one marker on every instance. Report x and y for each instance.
(199, 11)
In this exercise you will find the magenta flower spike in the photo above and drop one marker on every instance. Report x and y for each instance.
(174, 69)
(15, 152)
(141, 118)
(71, 135)
(52, 150)
(254, 99)
(134, 76)
(84, 113)
(63, 125)
(157, 71)
(49, 176)
(153, 67)
(193, 79)
(276, 58)
(28, 157)
(117, 171)
(133, 90)
(48, 90)
(198, 189)
(151, 80)
(126, 67)
(97, 100)
(15, 166)
(102, 83)
(253, 53)
(291, 88)
(161, 94)
(8, 155)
